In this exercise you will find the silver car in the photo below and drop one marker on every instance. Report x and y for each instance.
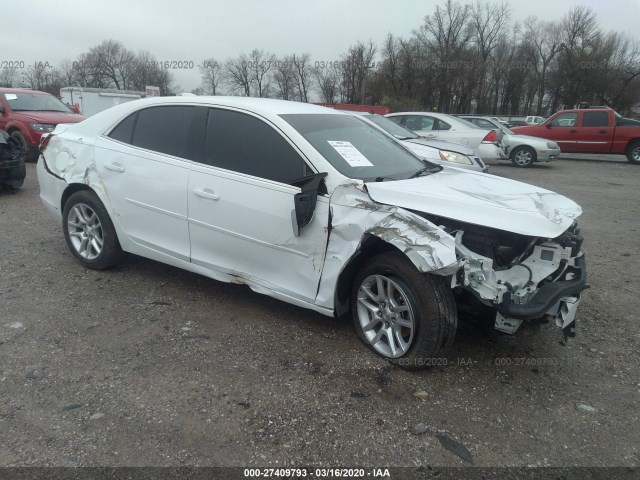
(436, 151)
(522, 150)
(487, 143)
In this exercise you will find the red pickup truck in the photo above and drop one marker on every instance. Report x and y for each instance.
(590, 130)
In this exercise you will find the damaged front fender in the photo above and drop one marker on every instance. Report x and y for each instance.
(356, 217)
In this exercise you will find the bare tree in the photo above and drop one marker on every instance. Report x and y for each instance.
(41, 76)
(7, 77)
(302, 70)
(328, 81)
(146, 71)
(238, 74)
(544, 41)
(354, 65)
(444, 35)
(114, 63)
(488, 21)
(285, 78)
(580, 30)
(260, 65)
(211, 73)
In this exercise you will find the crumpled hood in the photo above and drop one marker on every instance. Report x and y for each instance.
(482, 199)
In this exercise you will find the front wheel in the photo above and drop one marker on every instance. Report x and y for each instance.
(523, 157)
(406, 317)
(633, 153)
(89, 231)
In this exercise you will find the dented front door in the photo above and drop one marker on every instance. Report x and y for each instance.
(243, 226)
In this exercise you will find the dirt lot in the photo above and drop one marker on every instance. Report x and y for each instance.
(148, 365)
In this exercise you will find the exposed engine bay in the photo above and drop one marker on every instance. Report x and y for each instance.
(523, 278)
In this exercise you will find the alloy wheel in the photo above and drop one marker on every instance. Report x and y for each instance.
(85, 231)
(385, 315)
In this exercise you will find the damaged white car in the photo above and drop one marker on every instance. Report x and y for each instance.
(316, 208)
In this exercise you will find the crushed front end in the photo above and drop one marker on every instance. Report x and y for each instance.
(523, 278)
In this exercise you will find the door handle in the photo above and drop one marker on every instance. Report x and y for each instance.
(206, 193)
(116, 167)
(573, 131)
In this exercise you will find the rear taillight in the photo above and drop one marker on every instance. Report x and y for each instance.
(44, 141)
(490, 137)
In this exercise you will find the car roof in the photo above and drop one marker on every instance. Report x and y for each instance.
(265, 107)
(257, 105)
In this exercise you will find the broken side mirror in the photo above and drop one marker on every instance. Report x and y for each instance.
(305, 201)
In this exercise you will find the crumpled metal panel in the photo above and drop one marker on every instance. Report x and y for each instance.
(355, 216)
(483, 200)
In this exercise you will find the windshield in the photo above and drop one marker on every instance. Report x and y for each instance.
(356, 149)
(35, 102)
(391, 127)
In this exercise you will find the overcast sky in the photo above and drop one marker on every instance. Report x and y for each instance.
(45, 31)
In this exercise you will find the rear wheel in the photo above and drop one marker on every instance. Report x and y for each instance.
(523, 157)
(89, 231)
(405, 316)
(633, 153)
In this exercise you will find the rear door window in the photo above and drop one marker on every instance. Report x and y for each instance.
(595, 119)
(165, 130)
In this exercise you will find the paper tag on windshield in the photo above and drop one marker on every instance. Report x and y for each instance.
(350, 153)
(10, 96)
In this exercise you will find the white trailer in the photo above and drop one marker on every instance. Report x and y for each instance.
(93, 100)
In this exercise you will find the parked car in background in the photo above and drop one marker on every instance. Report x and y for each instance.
(590, 130)
(439, 126)
(318, 209)
(12, 167)
(517, 123)
(534, 120)
(27, 114)
(437, 151)
(523, 150)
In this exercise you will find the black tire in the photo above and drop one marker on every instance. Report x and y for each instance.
(431, 301)
(19, 174)
(17, 135)
(633, 153)
(111, 253)
(523, 157)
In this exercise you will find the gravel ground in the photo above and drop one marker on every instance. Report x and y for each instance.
(146, 364)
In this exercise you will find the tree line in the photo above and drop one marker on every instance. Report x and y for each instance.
(462, 58)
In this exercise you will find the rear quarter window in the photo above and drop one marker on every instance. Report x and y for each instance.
(124, 130)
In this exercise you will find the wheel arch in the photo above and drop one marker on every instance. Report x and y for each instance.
(370, 246)
(428, 256)
(631, 142)
(73, 188)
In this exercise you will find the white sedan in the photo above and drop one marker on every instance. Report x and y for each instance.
(487, 143)
(314, 207)
(523, 150)
(436, 151)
